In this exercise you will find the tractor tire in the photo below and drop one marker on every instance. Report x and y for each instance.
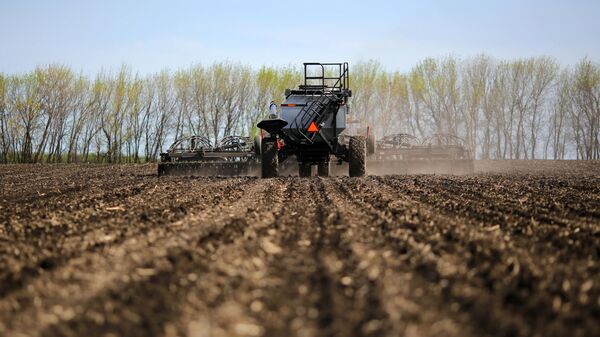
(371, 143)
(323, 169)
(269, 161)
(357, 149)
(304, 170)
(257, 145)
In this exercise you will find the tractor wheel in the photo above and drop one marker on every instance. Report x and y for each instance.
(269, 160)
(371, 143)
(323, 169)
(304, 170)
(161, 169)
(357, 152)
(257, 145)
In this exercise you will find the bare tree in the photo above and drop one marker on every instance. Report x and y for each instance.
(586, 111)
(100, 100)
(183, 96)
(199, 122)
(440, 93)
(561, 109)
(364, 102)
(4, 135)
(162, 110)
(544, 75)
(476, 86)
(58, 97)
(23, 99)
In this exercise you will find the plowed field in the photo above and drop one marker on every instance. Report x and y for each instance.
(93, 250)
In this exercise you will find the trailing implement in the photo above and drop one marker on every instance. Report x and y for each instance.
(404, 153)
(195, 155)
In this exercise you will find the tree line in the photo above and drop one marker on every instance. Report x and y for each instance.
(525, 108)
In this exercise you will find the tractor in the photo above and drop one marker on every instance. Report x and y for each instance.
(309, 125)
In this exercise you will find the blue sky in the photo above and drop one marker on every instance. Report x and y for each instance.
(154, 35)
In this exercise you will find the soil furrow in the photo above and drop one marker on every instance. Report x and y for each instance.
(113, 250)
(91, 271)
(51, 252)
(384, 264)
(566, 237)
(189, 257)
(483, 284)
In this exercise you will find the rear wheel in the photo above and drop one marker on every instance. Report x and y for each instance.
(162, 170)
(371, 142)
(257, 145)
(269, 161)
(304, 170)
(323, 169)
(357, 152)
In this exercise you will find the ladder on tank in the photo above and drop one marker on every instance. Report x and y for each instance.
(316, 111)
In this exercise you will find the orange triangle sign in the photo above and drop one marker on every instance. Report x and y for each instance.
(313, 127)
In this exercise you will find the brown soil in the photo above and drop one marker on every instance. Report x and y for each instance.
(95, 250)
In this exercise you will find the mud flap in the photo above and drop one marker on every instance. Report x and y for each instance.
(357, 149)
(269, 159)
(323, 169)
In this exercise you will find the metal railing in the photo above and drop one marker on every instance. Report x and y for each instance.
(316, 110)
(342, 80)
